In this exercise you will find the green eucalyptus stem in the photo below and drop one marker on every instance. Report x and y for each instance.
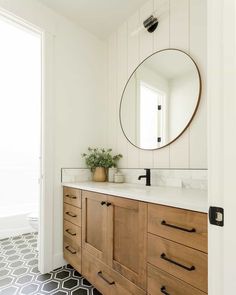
(100, 157)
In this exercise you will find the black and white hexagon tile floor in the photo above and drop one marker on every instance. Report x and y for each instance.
(19, 272)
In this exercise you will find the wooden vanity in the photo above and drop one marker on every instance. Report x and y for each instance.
(125, 246)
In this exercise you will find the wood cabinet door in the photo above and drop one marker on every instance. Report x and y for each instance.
(126, 238)
(94, 224)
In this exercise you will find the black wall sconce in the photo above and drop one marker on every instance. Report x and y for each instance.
(151, 24)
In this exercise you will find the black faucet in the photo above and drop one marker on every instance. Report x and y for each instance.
(147, 176)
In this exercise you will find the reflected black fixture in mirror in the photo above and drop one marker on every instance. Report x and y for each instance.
(160, 99)
(151, 24)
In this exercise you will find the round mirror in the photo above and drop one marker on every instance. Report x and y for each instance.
(160, 99)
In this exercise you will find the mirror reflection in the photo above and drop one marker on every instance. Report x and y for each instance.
(160, 99)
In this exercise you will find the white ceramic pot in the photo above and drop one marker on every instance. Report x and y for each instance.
(111, 174)
(119, 177)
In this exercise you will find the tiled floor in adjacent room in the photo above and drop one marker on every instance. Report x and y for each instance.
(19, 272)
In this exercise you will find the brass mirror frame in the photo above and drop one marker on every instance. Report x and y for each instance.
(194, 112)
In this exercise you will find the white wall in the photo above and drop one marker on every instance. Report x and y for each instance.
(182, 25)
(80, 92)
(79, 88)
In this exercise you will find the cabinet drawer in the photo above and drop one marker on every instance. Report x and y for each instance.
(159, 282)
(73, 256)
(72, 196)
(72, 234)
(105, 279)
(182, 262)
(183, 226)
(72, 214)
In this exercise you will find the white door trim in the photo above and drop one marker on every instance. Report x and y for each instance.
(221, 80)
(214, 78)
(47, 187)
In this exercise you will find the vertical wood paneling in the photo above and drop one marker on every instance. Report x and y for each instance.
(182, 24)
(161, 158)
(179, 38)
(133, 43)
(112, 77)
(179, 24)
(197, 42)
(161, 35)
(145, 38)
(146, 41)
(179, 152)
(133, 61)
(122, 143)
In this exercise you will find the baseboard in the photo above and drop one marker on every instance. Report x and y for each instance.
(13, 232)
(58, 260)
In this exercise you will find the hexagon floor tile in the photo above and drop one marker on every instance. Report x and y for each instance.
(19, 274)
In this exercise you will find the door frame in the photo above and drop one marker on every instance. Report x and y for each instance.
(46, 253)
(221, 79)
(45, 237)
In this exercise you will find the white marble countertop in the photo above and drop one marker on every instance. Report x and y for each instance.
(191, 199)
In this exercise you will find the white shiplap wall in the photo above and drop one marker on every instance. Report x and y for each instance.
(182, 24)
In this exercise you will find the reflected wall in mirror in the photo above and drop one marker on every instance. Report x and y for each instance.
(160, 99)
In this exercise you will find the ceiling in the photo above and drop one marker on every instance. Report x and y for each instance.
(100, 17)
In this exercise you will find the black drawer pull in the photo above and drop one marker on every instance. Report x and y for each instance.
(163, 290)
(70, 233)
(163, 256)
(71, 214)
(103, 203)
(192, 230)
(106, 280)
(71, 251)
(71, 196)
(109, 204)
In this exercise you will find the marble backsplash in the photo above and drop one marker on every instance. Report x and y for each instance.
(190, 179)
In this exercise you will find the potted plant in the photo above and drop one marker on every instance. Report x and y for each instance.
(99, 160)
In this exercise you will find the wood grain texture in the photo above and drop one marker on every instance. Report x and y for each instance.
(158, 279)
(124, 239)
(127, 47)
(72, 214)
(94, 224)
(72, 196)
(73, 259)
(181, 254)
(72, 234)
(127, 230)
(121, 286)
(182, 218)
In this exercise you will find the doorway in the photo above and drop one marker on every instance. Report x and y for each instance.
(20, 129)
